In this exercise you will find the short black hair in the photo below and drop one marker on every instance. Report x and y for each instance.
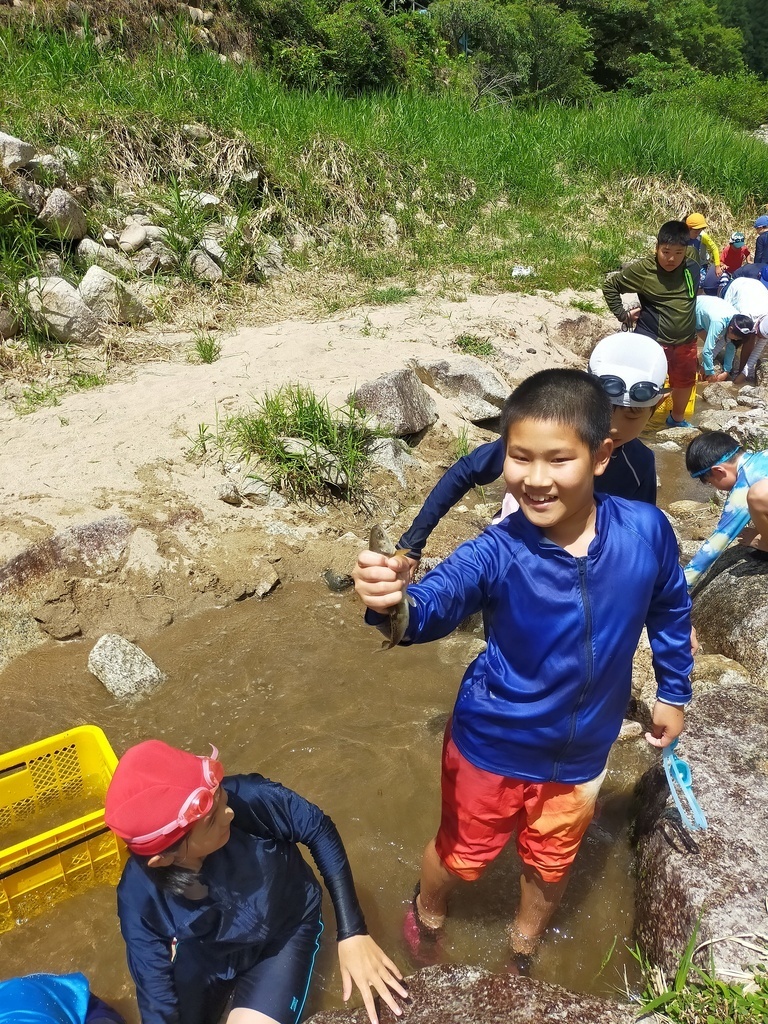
(570, 397)
(707, 450)
(173, 878)
(674, 232)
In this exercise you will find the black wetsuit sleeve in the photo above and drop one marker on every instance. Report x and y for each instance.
(266, 809)
(482, 466)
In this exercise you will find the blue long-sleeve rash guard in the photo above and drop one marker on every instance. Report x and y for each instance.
(545, 700)
(259, 888)
(631, 473)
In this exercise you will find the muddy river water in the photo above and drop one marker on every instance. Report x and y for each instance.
(295, 687)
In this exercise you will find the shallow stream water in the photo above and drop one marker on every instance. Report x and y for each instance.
(295, 687)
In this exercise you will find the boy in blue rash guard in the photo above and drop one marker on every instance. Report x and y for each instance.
(566, 585)
(719, 460)
(216, 903)
(631, 472)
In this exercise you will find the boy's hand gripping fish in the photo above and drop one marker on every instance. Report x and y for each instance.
(382, 544)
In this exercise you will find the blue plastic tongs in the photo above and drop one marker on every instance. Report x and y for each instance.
(678, 774)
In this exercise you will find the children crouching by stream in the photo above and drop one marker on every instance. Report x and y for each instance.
(566, 584)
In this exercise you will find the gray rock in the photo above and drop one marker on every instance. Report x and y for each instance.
(714, 671)
(211, 247)
(272, 263)
(255, 491)
(123, 668)
(201, 200)
(156, 257)
(50, 264)
(47, 168)
(326, 465)
(27, 192)
(229, 493)
(455, 994)
(63, 216)
(133, 238)
(196, 132)
(399, 401)
(475, 386)
(109, 238)
(751, 401)
(388, 228)
(90, 253)
(668, 446)
(111, 299)
(9, 324)
(730, 610)
(392, 455)
(70, 157)
(14, 153)
(719, 396)
(204, 268)
(680, 435)
(58, 305)
(155, 233)
(724, 879)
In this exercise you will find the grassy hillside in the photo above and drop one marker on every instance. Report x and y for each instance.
(569, 191)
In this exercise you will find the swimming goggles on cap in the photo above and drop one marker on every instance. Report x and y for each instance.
(196, 806)
(641, 391)
(678, 774)
(723, 458)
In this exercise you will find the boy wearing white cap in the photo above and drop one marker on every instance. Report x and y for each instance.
(632, 369)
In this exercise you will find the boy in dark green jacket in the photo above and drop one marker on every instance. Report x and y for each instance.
(666, 285)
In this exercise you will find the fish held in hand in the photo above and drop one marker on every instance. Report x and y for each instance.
(382, 544)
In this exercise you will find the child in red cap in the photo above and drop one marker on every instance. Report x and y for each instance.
(216, 903)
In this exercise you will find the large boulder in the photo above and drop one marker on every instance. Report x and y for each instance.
(730, 610)
(476, 387)
(720, 876)
(123, 668)
(399, 401)
(63, 216)
(90, 253)
(454, 994)
(58, 305)
(14, 153)
(111, 299)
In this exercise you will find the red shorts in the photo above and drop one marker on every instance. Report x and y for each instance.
(682, 364)
(481, 811)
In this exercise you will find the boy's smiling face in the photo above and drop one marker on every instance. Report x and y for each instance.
(550, 471)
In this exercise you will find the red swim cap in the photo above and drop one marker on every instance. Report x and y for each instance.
(158, 793)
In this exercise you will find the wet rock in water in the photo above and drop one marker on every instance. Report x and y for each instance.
(689, 509)
(719, 396)
(475, 386)
(399, 401)
(123, 668)
(680, 435)
(723, 877)
(629, 731)
(730, 610)
(337, 582)
(63, 216)
(14, 153)
(59, 306)
(454, 994)
(57, 615)
(98, 545)
(393, 456)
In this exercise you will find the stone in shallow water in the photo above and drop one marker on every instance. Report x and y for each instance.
(123, 668)
(453, 994)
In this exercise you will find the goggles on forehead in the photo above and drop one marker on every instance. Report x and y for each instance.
(723, 458)
(199, 803)
(641, 391)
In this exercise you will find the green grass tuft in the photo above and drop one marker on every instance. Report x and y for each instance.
(387, 296)
(587, 306)
(474, 345)
(207, 348)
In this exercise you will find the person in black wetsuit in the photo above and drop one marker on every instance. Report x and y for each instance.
(217, 905)
(631, 473)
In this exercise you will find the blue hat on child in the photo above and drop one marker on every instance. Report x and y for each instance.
(762, 221)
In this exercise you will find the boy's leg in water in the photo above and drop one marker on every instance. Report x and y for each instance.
(436, 885)
(757, 503)
(556, 816)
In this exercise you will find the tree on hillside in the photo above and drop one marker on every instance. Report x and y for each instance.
(751, 17)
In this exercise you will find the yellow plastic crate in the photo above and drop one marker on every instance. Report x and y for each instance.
(52, 822)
